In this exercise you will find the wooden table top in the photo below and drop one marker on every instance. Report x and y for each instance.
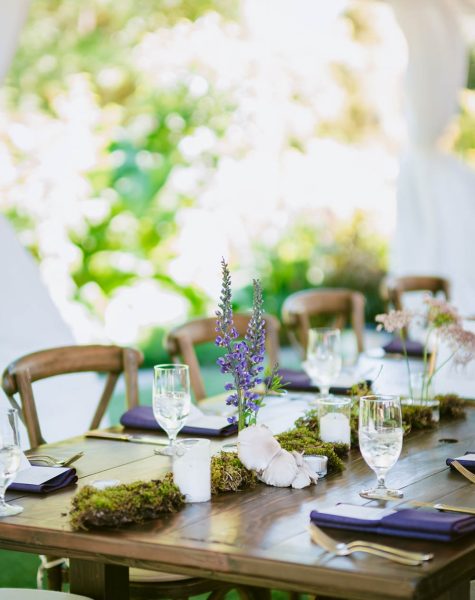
(260, 537)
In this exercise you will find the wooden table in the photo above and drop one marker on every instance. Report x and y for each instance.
(257, 537)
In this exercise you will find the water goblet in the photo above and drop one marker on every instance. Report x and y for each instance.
(323, 361)
(171, 401)
(10, 457)
(380, 438)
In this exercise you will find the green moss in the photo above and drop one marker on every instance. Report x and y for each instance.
(451, 406)
(304, 440)
(124, 504)
(228, 474)
(416, 417)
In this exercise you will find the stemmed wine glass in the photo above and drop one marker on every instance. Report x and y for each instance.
(380, 438)
(171, 401)
(10, 457)
(323, 362)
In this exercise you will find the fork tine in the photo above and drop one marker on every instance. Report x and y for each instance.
(465, 472)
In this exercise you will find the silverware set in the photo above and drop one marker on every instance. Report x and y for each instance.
(51, 461)
(403, 557)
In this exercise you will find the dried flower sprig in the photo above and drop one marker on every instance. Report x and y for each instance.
(243, 359)
(441, 317)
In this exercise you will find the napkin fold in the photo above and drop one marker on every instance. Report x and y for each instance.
(299, 381)
(141, 417)
(406, 523)
(467, 460)
(413, 348)
(41, 480)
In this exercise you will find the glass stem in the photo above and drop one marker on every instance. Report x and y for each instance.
(172, 439)
(381, 481)
(324, 390)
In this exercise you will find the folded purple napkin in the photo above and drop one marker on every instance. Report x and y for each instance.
(413, 348)
(299, 381)
(468, 462)
(141, 417)
(63, 479)
(406, 523)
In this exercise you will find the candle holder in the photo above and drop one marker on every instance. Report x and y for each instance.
(192, 469)
(334, 419)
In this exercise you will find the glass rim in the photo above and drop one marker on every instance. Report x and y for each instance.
(381, 397)
(325, 329)
(334, 401)
(170, 366)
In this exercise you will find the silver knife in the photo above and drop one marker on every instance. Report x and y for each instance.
(126, 437)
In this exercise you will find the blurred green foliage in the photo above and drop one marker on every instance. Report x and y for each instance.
(132, 236)
(329, 254)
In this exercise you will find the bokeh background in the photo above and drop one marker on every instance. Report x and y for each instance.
(140, 141)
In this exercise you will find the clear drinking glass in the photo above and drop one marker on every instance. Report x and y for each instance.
(171, 400)
(380, 438)
(10, 457)
(323, 362)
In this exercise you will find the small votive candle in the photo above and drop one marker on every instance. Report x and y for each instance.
(317, 463)
(334, 419)
(192, 469)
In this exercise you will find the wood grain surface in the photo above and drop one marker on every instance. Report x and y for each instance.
(258, 537)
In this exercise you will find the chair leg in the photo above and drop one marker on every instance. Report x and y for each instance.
(249, 592)
(55, 578)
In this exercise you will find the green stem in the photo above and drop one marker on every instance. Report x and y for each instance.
(440, 367)
(404, 349)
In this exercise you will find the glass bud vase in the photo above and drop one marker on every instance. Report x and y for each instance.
(422, 394)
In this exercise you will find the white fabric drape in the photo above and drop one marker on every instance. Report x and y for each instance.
(436, 191)
(29, 320)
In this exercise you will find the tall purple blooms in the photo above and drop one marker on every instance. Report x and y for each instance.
(244, 359)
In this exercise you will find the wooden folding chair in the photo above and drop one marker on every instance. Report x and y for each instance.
(343, 305)
(181, 342)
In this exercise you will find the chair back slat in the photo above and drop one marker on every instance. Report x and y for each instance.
(19, 376)
(181, 342)
(397, 286)
(343, 304)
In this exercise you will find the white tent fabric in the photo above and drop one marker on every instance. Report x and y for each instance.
(29, 320)
(436, 192)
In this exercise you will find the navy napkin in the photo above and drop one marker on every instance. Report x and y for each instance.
(406, 523)
(413, 348)
(141, 417)
(56, 482)
(468, 463)
(299, 381)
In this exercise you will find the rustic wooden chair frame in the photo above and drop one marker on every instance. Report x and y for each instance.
(395, 287)
(181, 342)
(19, 376)
(344, 304)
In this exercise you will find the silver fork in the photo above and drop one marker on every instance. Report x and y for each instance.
(402, 557)
(50, 461)
(465, 472)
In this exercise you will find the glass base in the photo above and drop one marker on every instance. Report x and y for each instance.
(381, 494)
(9, 510)
(229, 447)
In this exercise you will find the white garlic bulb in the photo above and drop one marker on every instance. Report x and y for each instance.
(257, 447)
(281, 471)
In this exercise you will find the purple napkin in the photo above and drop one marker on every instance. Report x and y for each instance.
(141, 417)
(468, 463)
(406, 523)
(299, 381)
(57, 482)
(413, 348)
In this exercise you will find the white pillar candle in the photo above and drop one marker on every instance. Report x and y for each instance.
(192, 470)
(335, 427)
